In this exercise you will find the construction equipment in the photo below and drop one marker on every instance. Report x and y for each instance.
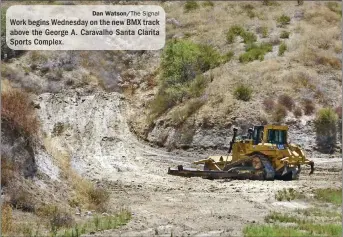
(262, 154)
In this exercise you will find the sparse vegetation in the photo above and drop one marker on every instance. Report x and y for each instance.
(234, 31)
(18, 111)
(275, 230)
(208, 4)
(182, 64)
(6, 218)
(227, 57)
(269, 104)
(335, 7)
(249, 10)
(330, 195)
(283, 20)
(338, 111)
(281, 217)
(303, 222)
(98, 196)
(287, 194)
(279, 113)
(282, 49)
(255, 52)
(309, 107)
(284, 35)
(243, 92)
(191, 6)
(298, 112)
(286, 101)
(326, 129)
(263, 30)
(180, 115)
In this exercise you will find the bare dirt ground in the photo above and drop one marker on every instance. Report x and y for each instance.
(102, 148)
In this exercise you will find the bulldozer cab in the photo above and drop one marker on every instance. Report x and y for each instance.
(273, 134)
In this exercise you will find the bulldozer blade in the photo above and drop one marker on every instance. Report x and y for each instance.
(214, 174)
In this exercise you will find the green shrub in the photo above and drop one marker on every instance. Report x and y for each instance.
(243, 92)
(190, 6)
(329, 195)
(248, 37)
(284, 35)
(183, 60)
(264, 31)
(234, 31)
(249, 10)
(335, 7)
(283, 20)
(182, 64)
(208, 4)
(282, 49)
(197, 86)
(256, 230)
(227, 57)
(326, 129)
(255, 52)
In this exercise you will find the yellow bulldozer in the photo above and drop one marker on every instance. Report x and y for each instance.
(262, 154)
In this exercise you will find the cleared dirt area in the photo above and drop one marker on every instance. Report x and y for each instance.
(137, 174)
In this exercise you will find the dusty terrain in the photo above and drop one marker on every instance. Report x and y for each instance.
(136, 173)
(93, 109)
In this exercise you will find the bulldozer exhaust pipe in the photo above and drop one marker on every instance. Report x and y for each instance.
(233, 139)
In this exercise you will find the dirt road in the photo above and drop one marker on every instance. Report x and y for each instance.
(97, 136)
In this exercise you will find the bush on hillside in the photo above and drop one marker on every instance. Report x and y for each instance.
(191, 5)
(269, 104)
(182, 64)
(17, 110)
(326, 129)
(279, 113)
(284, 20)
(183, 60)
(309, 107)
(208, 4)
(287, 101)
(298, 112)
(243, 92)
(282, 49)
(284, 35)
(234, 31)
(255, 52)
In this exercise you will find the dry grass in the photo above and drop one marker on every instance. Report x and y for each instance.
(86, 193)
(6, 218)
(17, 110)
(287, 101)
(298, 112)
(269, 104)
(309, 107)
(279, 113)
(8, 171)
